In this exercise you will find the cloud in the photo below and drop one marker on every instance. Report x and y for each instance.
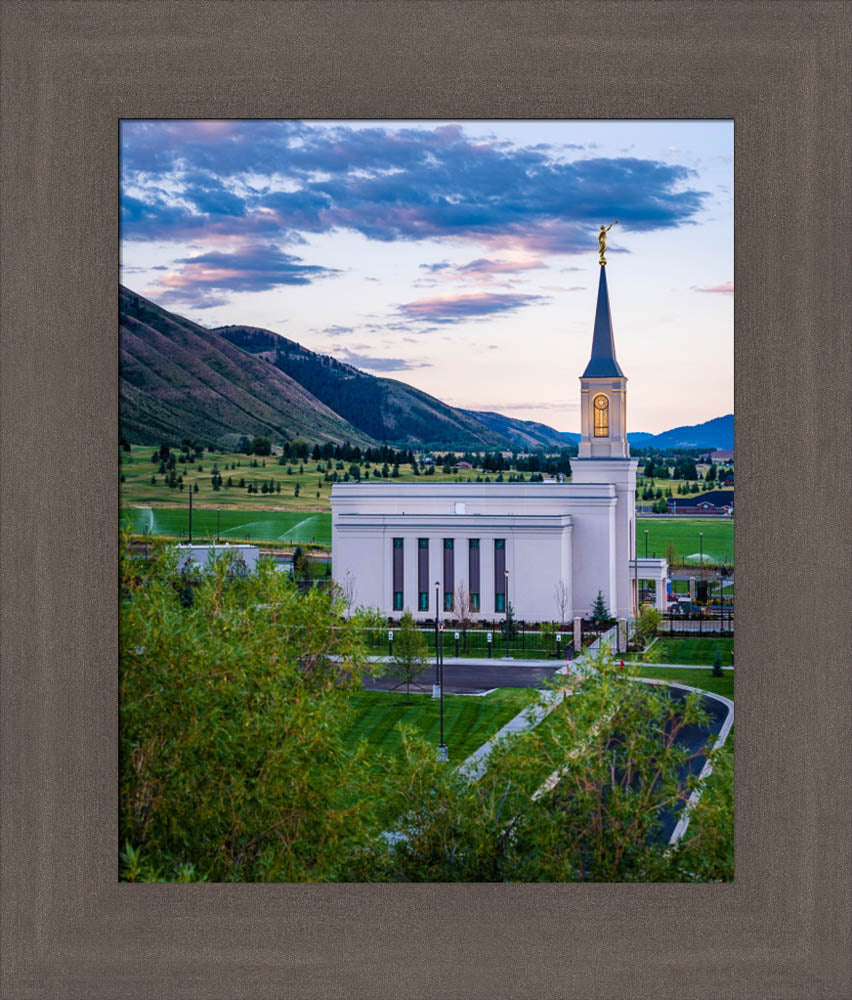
(726, 288)
(255, 180)
(205, 279)
(458, 308)
(376, 364)
(337, 331)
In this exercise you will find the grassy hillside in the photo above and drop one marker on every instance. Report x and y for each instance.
(382, 408)
(178, 380)
(526, 434)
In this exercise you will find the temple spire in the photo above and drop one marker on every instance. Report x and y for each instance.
(602, 363)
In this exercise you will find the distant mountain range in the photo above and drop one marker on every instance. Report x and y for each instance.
(715, 433)
(178, 380)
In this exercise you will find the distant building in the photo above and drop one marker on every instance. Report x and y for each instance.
(720, 457)
(201, 555)
(714, 502)
(462, 465)
(508, 542)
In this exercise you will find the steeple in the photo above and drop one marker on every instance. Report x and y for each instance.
(603, 386)
(602, 363)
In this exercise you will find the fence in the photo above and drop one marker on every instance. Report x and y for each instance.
(706, 621)
(524, 641)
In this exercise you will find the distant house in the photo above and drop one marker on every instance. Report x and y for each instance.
(462, 465)
(723, 456)
(714, 502)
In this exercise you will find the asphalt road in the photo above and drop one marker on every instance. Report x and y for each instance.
(474, 677)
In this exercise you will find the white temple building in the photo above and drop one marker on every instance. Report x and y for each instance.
(402, 546)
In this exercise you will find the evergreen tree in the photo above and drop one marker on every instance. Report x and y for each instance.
(600, 612)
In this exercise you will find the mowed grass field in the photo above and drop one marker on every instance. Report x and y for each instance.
(702, 679)
(468, 720)
(257, 525)
(683, 532)
(284, 517)
(698, 651)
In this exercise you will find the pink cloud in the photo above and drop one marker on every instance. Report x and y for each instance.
(726, 288)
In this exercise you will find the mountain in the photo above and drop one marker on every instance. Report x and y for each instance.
(525, 433)
(715, 433)
(382, 408)
(178, 380)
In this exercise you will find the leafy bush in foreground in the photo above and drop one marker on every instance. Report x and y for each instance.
(231, 704)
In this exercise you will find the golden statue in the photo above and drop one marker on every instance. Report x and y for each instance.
(602, 239)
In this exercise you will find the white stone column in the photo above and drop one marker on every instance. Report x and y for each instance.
(578, 636)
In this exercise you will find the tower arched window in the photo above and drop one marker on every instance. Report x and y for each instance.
(601, 411)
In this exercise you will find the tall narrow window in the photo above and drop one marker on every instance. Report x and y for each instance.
(449, 573)
(500, 574)
(398, 551)
(601, 408)
(473, 573)
(423, 574)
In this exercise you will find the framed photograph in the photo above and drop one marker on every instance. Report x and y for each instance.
(89, 91)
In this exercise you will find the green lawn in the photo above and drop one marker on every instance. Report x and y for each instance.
(260, 525)
(683, 532)
(468, 720)
(694, 678)
(283, 516)
(698, 651)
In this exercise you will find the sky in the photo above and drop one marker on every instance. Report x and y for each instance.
(460, 257)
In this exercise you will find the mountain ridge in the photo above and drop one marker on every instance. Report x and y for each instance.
(178, 379)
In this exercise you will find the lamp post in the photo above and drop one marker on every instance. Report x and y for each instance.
(646, 543)
(190, 515)
(439, 672)
(436, 687)
(506, 599)
(701, 549)
(443, 753)
(218, 512)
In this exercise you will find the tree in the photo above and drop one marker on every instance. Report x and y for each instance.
(672, 554)
(583, 799)
(600, 612)
(510, 628)
(562, 599)
(717, 663)
(232, 761)
(410, 653)
(347, 589)
(462, 609)
(646, 625)
(300, 563)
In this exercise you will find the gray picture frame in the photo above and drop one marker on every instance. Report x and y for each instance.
(70, 71)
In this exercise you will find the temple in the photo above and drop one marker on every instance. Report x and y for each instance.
(546, 548)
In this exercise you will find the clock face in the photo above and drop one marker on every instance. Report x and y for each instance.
(601, 402)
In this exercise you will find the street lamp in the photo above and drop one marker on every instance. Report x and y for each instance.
(701, 548)
(506, 599)
(436, 687)
(443, 753)
(646, 543)
(439, 672)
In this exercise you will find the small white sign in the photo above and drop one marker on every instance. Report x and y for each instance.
(390, 635)
(559, 637)
(488, 637)
(457, 635)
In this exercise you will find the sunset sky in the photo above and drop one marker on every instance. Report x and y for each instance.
(460, 257)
